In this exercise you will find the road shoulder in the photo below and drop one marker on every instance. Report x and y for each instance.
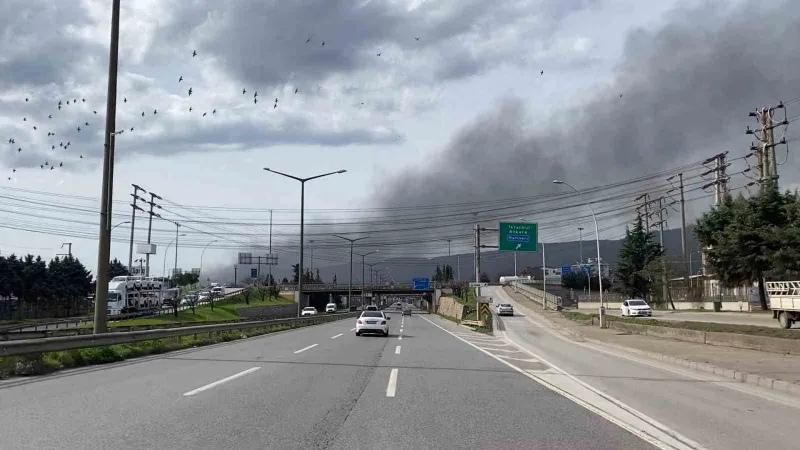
(772, 371)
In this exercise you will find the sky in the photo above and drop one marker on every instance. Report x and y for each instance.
(442, 113)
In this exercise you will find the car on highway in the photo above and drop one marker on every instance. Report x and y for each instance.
(407, 310)
(505, 309)
(308, 311)
(372, 308)
(330, 308)
(398, 305)
(203, 296)
(218, 292)
(636, 307)
(372, 322)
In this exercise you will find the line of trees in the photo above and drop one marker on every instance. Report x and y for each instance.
(443, 273)
(58, 288)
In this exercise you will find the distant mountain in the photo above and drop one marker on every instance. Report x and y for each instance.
(497, 264)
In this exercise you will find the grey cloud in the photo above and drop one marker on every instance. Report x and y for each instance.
(263, 43)
(34, 43)
(687, 89)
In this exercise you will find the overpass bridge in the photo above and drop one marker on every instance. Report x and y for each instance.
(318, 294)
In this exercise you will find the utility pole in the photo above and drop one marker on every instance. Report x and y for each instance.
(645, 198)
(580, 244)
(177, 229)
(134, 207)
(767, 163)
(270, 247)
(69, 248)
(350, 280)
(153, 204)
(683, 236)
(664, 280)
(106, 198)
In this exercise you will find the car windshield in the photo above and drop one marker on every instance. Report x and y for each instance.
(371, 314)
(505, 305)
(310, 308)
(636, 303)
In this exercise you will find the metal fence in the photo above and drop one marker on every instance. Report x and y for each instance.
(546, 299)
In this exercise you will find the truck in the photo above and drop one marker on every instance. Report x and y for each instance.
(506, 280)
(784, 301)
(132, 294)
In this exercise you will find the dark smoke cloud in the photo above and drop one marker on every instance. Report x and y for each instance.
(686, 91)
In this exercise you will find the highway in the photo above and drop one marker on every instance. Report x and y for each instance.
(424, 387)
(710, 411)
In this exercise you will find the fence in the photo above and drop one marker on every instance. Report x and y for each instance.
(27, 346)
(546, 299)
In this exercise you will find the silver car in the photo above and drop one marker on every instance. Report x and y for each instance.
(505, 309)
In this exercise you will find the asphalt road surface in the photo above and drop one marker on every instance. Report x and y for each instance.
(705, 410)
(423, 387)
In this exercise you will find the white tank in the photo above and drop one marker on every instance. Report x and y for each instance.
(508, 279)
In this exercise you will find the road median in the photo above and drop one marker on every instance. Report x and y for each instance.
(41, 356)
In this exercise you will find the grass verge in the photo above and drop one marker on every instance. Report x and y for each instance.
(751, 330)
(44, 363)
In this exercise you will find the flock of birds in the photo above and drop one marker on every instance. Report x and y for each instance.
(55, 158)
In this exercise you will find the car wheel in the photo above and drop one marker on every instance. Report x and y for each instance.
(358, 333)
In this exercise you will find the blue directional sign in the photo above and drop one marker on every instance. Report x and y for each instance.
(421, 284)
(254, 273)
(586, 268)
(566, 269)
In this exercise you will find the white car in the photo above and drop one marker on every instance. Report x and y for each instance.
(505, 308)
(308, 311)
(636, 307)
(372, 322)
(330, 308)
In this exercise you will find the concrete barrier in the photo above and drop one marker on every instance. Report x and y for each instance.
(735, 340)
(679, 306)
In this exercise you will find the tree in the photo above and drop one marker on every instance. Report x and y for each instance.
(638, 250)
(447, 273)
(334, 279)
(437, 276)
(116, 269)
(751, 238)
(285, 280)
(295, 273)
(484, 277)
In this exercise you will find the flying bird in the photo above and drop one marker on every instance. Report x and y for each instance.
(180, 79)
(620, 95)
(95, 112)
(19, 149)
(204, 114)
(194, 53)
(155, 111)
(53, 147)
(61, 164)
(190, 92)
(190, 109)
(131, 128)
(255, 100)
(244, 91)
(274, 106)
(26, 99)
(69, 143)
(81, 156)
(24, 119)
(214, 111)
(79, 128)
(11, 141)
(59, 106)
(74, 100)
(276, 99)
(34, 127)
(67, 102)
(379, 54)
(52, 167)
(124, 100)
(255, 94)
(323, 43)
(295, 90)
(541, 73)
(416, 38)
(50, 116)
(49, 134)
(308, 40)
(87, 124)
(83, 100)
(142, 113)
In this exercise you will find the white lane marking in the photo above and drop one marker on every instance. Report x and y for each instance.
(400, 338)
(637, 423)
(224, 380)
(401, 329)
(352, 329)
(307, 348)
(397, 350)
(519, 359)
(391, 388)
(490, 349)
(656, 364)
(334, 337)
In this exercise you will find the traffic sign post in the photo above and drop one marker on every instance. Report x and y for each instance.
(518, 237)
(253, 272)
(421, 284)
(566, 269)
(474, 284)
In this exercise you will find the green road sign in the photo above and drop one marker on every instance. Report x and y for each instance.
(518, 237)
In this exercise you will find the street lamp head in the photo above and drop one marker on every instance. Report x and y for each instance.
(341, 171)
(558, 182)
(182, 234)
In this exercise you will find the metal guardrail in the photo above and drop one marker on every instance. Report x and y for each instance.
(356, 287)
(27, 346)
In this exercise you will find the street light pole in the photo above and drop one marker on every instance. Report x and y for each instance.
(164, 267)
(350, 281)
(363, 277)
(302, 218)
(597, 239)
